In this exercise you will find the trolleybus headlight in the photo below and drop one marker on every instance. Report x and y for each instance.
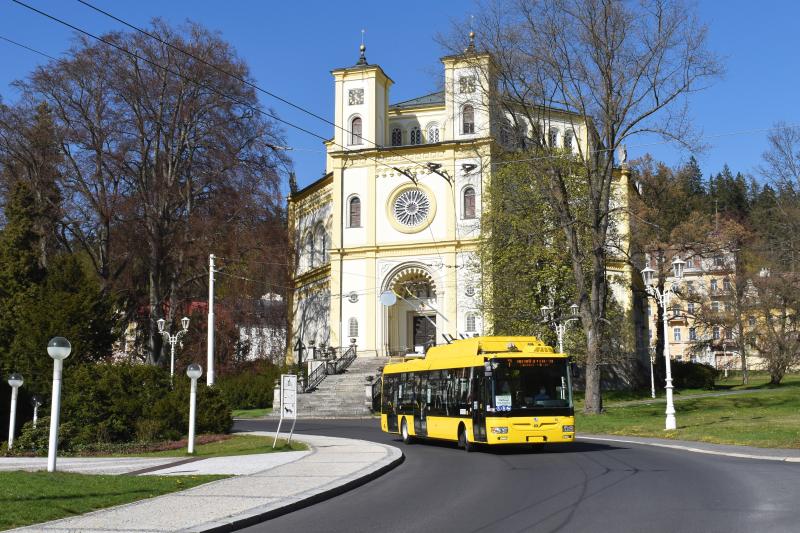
(568, 429)
(501, 429)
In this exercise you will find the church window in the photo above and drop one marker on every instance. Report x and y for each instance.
(467, 119)
(355, 212)
(552, 138)
(397, 137)
(466, 84)
(469, 202)
(353, 327)
(309, 251)
(321, 245)
(470, 326)
(433, 133)
(355, 131)
(568, 138)
(411, 207)
(416, 136)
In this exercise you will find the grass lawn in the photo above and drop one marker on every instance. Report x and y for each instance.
(33, 497)
(251, 413)
(768, 419)
(235, 445)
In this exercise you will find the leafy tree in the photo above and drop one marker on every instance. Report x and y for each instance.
(622, 68)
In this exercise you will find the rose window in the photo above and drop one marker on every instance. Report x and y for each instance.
(411, 207)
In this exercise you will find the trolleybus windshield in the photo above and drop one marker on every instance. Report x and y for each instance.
(535, 385)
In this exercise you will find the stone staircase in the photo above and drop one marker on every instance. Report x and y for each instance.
(341, 395)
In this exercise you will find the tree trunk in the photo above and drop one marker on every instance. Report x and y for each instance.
(593, 403)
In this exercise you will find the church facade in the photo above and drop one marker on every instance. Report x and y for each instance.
(398, 214)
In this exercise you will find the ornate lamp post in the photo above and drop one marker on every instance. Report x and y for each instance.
(559, 323)
(172, 340)
(36, 403)
(59, 349)
(652, 376)
(194, 371)
(662, 298)
(15, 381)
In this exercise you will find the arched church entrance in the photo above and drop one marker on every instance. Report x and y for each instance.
(412, 322)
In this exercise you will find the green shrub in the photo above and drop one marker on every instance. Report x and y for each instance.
(252, 388)
(213, 413)
(686, 375)
(36, 440)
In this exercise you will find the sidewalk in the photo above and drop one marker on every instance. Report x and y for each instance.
(729, 450)
(332, 466)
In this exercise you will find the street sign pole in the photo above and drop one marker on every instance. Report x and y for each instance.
(288, 405)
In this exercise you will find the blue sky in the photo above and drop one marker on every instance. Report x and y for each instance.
(292, 46)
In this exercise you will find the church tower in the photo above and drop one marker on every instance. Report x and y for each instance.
(362, 104)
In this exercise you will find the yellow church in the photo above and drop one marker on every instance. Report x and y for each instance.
(398, 211)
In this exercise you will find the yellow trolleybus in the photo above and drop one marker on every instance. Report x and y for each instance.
(488, 390)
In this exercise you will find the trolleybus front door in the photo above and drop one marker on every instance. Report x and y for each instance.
(422, 397)
(478, 407)
(390, 401)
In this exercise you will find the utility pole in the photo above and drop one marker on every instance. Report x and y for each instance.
(210, 361)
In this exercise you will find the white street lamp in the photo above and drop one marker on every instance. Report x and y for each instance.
(194, 371)
(652, 374)
(15, 381)
(172, 340)
(559, 324)
(662, 298)
(36, 403)
(59, 349)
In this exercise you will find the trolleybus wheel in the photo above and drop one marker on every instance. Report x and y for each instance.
(463, 441)
(407, 438)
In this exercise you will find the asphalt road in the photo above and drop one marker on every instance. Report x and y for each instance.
(584, 486)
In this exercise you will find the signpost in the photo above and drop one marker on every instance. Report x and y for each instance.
(288, 404)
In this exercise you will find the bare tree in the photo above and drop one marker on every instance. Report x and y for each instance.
(166, 153)
(776, 332)
(622, 69)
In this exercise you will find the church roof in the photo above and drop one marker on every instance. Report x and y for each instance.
(436, 98)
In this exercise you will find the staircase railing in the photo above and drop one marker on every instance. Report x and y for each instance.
(316, 376)
(346, 359)
(376, 393)
(328, 367)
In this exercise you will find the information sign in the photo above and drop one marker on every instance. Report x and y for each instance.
(289, 396)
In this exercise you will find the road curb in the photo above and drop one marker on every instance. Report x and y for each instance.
(262, 514)
(692, 449)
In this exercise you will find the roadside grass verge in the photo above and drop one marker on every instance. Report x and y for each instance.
(758, 381)
(769, 419)
(32, 497)
(251, 413)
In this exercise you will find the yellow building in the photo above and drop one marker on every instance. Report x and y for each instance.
(399, 210)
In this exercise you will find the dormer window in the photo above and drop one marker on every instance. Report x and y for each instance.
(568, 141)
(552, 137)
(355, 131)
(433, 133)
(415, 136)
(467, 120)
(397, 137)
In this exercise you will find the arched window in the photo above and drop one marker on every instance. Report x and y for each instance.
(397, 137)
(433, 133)
(309, 251)
(568, 138)
(470, 326)
(552, 137)
(352, 327)
(469, 202)
(416, 136)
(321, 245)
(467, 119)
(355, 131)
(354, 217)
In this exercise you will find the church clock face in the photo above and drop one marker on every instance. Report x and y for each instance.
(411, 207)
